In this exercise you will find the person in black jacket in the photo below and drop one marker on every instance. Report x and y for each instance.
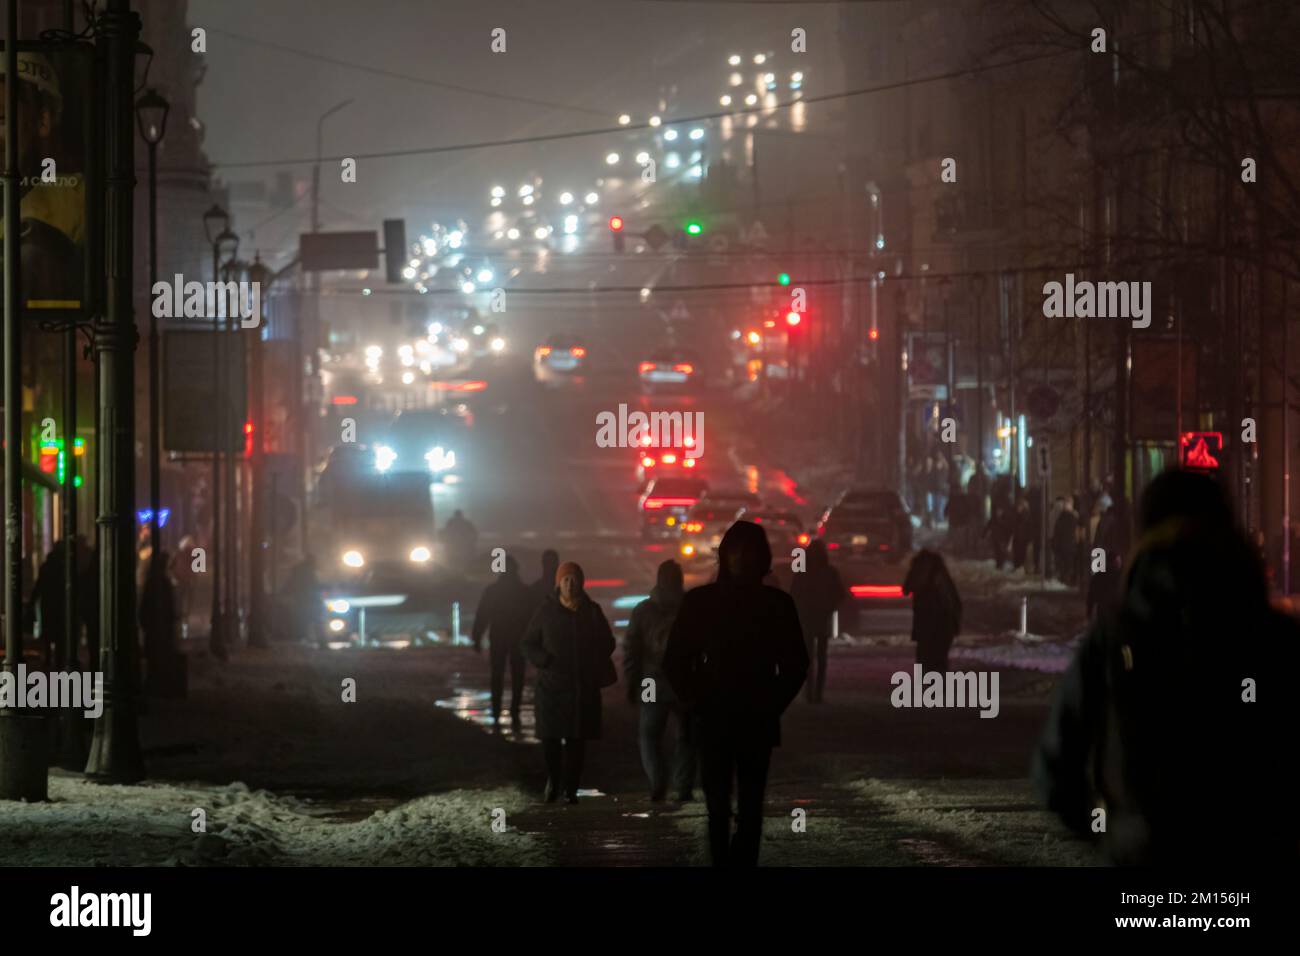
(818, 592)
(504, 610)
(544, 586)
(643, 653)
(736, 656)
(1167, 738)
(158, 619)
(570, 643)
(936, 609)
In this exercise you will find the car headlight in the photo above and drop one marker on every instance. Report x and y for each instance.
(459, 345)
(420, 554)
(338, 606)
(440, 459)
(385, 457)
(497, 345)
(338, 624)
(353, 559)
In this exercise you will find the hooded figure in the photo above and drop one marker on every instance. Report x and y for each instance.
(504, 610)
(643, 654)
(1156, 729)
(569, 642)
(818, 592)
(158, 619)
(736, 656)
(936, 609)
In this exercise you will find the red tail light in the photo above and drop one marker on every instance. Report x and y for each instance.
(578, 351)
(832, 545)
(647, 367)
(669, 459)
(684, 367)
(648, 462)
(544, 351)
(876, 590)
(344, 400)
(688, 462)
(803, 539)
(655, 503)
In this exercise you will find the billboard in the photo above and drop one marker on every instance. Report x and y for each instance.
(189, 363)
(54, 126)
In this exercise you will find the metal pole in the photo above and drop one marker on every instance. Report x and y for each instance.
(217, 623)
(115, 752)
(1286, 448)
(155, 430)
(230, 456)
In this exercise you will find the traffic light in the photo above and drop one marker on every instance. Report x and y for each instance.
(694, 228)
(792, 319)
(783, 278)
(616, 230)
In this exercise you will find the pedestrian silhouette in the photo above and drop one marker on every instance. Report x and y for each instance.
(158, 620)
(544, 586)
(643, 653)
(504, 610)
(48, 594)
(736, 656)
(570, 643)
(936, 609)
(1156, 722)
(818, 592)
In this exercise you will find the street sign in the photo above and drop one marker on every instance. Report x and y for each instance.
(326, 251)
(1201, 451)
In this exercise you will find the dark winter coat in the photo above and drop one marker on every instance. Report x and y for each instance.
(504, 611)
(736, 656)
(571, 651)
(818, 593)
(1149, 721)
(936, 604)
(645, 642)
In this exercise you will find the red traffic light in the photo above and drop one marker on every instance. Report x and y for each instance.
(616, 223)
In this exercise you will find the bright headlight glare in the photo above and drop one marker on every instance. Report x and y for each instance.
(385, 457)
(440, 459)
(353, 559)
(337, 625)
(420, 554)
(339, 606)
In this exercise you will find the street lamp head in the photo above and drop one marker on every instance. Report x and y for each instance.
(151, 116)
(216, 222)
(259, 273)
(227, 244)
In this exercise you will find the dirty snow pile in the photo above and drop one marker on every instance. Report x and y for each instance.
(90, 824)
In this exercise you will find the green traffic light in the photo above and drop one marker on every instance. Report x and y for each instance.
(783, 278)
(693, 228)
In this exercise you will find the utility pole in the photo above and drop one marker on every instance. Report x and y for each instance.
(115, 751)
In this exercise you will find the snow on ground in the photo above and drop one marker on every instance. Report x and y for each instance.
(995, 822)
(1048, 657)
(90, 824)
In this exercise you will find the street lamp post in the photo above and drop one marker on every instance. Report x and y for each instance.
(216, 224)
(115, 754)
(151, 117)
(262, 277)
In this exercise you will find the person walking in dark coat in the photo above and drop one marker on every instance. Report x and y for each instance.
(504, 611)
(158, 620)
(1171, 726)
(48, 595)
(1002, 521)
(818, 592)
(643, 655)
(736, 656)
(570, 643)
(1022, 534)
(544, 586)
(936, 609)
(1064, 533)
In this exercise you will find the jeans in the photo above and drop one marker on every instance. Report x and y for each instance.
(718, 762)
(515, 655)
(564, 763)
(654, 721)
